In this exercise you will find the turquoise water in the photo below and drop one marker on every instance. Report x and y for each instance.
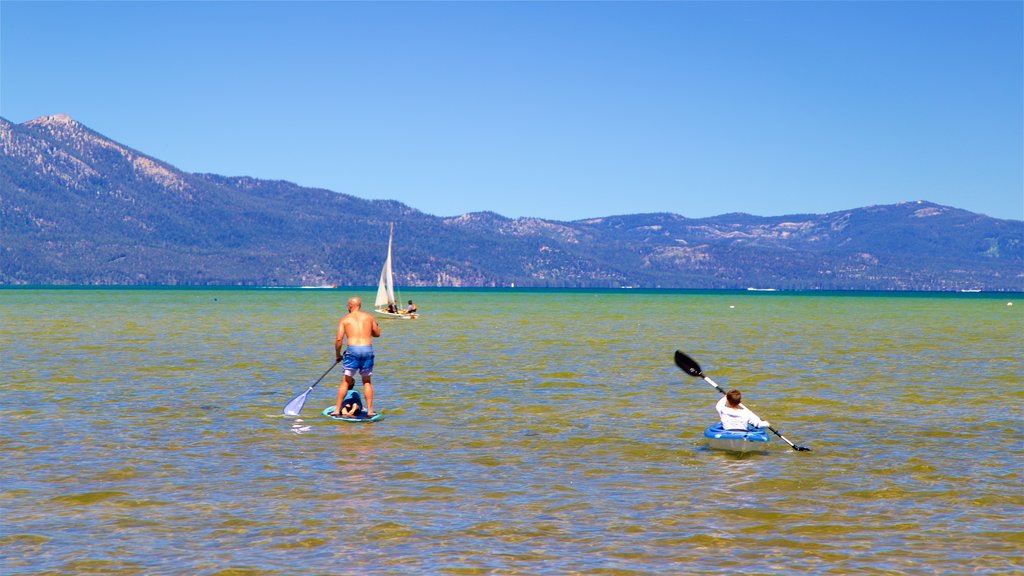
(525, 433)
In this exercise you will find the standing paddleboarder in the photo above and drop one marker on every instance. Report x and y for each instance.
(359, 329)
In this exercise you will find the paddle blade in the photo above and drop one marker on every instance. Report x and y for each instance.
(786, 440)
(295, 406)
(688, 365)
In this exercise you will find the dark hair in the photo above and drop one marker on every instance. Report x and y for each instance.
(410, 301)
(733, 397)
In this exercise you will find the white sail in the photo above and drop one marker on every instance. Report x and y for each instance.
(386, 286)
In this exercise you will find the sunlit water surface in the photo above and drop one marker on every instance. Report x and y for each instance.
(525, 433)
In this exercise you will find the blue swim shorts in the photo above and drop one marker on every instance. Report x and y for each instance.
(358, 358)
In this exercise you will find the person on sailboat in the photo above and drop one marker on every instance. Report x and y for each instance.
(411, 309)
(357, 329)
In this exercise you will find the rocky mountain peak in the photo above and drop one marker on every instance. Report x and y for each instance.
(54, 120)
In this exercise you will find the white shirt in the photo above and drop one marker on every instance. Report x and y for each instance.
(737, 418)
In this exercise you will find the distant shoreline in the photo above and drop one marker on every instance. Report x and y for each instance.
(530, 290)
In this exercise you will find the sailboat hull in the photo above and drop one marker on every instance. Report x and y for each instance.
(386, 314)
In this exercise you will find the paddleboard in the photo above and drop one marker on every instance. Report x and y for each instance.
(362, 418)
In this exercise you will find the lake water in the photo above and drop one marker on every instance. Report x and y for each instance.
(524, 433)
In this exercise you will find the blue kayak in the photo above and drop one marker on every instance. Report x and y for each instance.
(754, 440)
(361, 418)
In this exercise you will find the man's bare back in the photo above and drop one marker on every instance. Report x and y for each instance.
(357, 327)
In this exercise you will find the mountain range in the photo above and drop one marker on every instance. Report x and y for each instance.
(77, 208)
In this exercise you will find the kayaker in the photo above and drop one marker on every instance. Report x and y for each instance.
(736, 416)
(357, 329)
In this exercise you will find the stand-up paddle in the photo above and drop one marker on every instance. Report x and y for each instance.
(295, 406)
(690, 366)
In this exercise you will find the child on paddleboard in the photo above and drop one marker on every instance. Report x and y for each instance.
(351, 405)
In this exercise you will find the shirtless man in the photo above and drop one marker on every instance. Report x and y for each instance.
(359, 329)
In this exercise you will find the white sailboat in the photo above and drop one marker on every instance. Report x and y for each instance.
(385, 303)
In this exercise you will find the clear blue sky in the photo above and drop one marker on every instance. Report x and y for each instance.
(560, 110)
